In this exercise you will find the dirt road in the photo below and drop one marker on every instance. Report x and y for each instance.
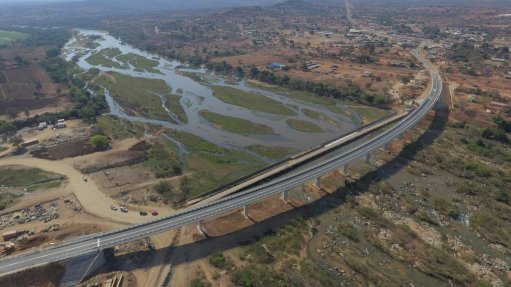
(91, 198)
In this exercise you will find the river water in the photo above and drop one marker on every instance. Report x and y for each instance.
(198, 96)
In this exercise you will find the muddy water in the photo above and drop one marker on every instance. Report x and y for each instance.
(198, 96)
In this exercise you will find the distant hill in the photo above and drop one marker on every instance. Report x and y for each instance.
(175, 4)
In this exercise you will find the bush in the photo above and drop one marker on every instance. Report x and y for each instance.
(100, 142)
(197, 283)
(163, 188)
(218, 260)
(348, 230)
(445, 208)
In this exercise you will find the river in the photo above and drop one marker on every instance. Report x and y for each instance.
(198, 96)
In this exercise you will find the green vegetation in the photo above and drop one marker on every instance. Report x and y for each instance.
(111, 52)
(348, 230)
(3, 148)
(211, 165)
(6, 127)
(235, 125)
(491, 227)
(303, 126)
(257, 276)
(173, 103)
(350, 92)
(141, 64)
(319, 116)
(44, 186)
(250, 101)
(368, 114)
(219, 260)
(115, 128)
(303, 96)
(445, 207)
(163, 159)
(101, 58)
(272, 152)
(137, 95)
(171, 195)
(7, 37)
(100, 142)
(197, 282)
(29, 179)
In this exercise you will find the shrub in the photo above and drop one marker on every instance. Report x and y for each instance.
(100, 142)
(218, 260)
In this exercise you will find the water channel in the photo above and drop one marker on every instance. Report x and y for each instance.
(198, 96)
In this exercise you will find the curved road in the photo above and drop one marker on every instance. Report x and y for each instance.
(93, 243)
(93, 200)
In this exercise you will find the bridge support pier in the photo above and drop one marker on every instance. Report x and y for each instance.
(285, 196)
(246, 211)
(344, 170)
(368, 158)
(318, 182)
(200, 227)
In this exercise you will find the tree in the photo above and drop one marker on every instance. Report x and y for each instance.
(100, 142)
(27, 113)
(164, 188)
(406, 80)
(185, 185)
(12, 113)
(17, 140)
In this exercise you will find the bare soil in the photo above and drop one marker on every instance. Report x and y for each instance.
(64, 150)
(45, 276)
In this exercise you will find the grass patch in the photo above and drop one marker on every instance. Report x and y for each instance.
(303, 126)
(7, 37)
(44, 185)
(250, 101)
(137, 94)
(101, 59)
(272, 152)
(115, 128)
(163, 159)
(173, 103)
(235, 125)
(141, 64)
(492, 228)
(319, 116)
(18, 177)
(211, 165)
(445, 207)
(111, 52)
(219, 260)
(368, 114)
(303, 96)
(3, 148)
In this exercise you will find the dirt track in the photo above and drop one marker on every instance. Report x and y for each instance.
(91, 198)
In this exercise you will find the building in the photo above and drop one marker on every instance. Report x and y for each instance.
(60, 125)
(498, 59)
(357, 31)
(7, 236)
(367, 74)
(42, 126)
(276, 65)
(325, 33)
